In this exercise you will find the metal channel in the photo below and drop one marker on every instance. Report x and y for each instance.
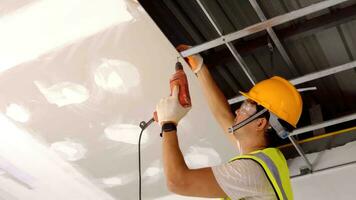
(230, 46)
(323, 73)
(300, 152)
(309, 77)
(262, 26)
(275, 39)
(324, 124)
(347, 164)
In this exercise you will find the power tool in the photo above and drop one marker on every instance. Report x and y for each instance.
(179, 78)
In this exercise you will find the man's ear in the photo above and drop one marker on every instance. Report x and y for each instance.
(262, 123)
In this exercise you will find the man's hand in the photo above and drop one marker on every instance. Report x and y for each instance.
(169, 109)
(195, 61)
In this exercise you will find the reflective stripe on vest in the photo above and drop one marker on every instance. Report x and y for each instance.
(278, 176)
(272, 167)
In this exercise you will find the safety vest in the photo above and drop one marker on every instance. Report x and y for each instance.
(275, 166)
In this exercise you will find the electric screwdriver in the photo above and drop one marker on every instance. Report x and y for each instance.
(179, 78)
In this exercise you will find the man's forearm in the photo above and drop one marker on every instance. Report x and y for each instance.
(173, 160)
(182, 180)
(216, 100)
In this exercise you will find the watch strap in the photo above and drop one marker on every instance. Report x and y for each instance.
(167, 127)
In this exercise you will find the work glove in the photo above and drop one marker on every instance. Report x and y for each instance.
(169, 109)
(195, 61)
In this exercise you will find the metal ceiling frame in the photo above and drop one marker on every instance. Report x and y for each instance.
(230, 46)
(309, 77)
(299, 29)
(301, 152)
(267, 25)
(335, 167)
(315, 127)
(324, 124)
(319, 137)
(275, 39)
(278, 20)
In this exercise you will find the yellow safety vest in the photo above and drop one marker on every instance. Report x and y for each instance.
(276, 169)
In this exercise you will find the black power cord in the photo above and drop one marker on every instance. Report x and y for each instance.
(143, 126)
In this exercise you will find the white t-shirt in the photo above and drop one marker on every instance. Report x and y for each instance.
(244, 179)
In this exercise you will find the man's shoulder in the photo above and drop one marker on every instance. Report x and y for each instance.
(240, 167)
(243, 178)
(246, 163)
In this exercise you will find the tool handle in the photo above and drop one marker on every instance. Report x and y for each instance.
(180, 79)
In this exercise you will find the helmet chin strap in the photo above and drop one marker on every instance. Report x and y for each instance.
(277, 126)
(246, 121)
(273, 121)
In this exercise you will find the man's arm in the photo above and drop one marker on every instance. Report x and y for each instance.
(182, 180)
(216, 100)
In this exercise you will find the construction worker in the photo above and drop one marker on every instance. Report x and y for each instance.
(259, 172)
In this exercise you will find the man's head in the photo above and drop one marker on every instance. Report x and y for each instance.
(255, 130)
(272, 104)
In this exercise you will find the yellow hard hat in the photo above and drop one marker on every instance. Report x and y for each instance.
(278, 96)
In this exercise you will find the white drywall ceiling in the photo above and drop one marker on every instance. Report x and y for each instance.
(76, 78)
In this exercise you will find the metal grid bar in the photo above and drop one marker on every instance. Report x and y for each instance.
(300, 152)
(262, 26)
(298, 30)
(274, 38)
(309, 77)
(230, 46)
(324, 124)
(323, 73)
(335, 167)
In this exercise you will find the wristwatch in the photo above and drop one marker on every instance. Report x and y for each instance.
(167, 127)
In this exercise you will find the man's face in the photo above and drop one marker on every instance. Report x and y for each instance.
(246, 110)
